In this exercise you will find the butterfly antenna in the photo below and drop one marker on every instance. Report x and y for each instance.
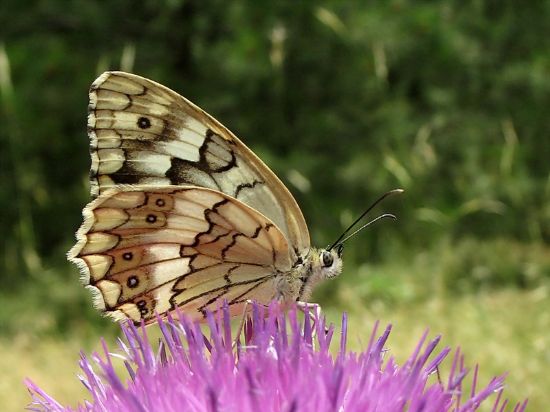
(376, 219)
(343, 235)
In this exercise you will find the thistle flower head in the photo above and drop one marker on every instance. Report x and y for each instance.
(279, 364)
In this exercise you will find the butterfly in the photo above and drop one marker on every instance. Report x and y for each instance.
(185, 215)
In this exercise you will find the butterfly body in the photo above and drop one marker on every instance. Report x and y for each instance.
(184, 215)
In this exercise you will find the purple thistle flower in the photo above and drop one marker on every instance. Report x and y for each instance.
(282, 365)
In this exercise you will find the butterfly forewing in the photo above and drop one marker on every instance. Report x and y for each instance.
(150, 251)
(144, 134)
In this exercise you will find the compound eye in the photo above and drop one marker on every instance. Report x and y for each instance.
(327, 258)
(340, 250)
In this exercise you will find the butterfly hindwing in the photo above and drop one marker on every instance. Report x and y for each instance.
(143, 133)
(147, 251)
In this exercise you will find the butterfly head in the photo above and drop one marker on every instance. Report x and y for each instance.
(327, 263)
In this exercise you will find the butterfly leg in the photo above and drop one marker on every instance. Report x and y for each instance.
(244, 319)
(245, 316)
(313, 310)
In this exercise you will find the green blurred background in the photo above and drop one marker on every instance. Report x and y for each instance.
(449, 100)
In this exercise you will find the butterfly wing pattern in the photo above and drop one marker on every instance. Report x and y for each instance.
(184, 214)
(143, 133)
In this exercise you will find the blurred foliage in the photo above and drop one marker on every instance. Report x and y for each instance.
(344, 100)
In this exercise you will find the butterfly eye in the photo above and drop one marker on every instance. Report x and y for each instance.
(327, 258)
(339, 250)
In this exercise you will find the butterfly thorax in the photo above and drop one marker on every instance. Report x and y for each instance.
(308, 271)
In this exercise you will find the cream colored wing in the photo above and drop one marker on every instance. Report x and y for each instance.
(143, 133)
(143, 252)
